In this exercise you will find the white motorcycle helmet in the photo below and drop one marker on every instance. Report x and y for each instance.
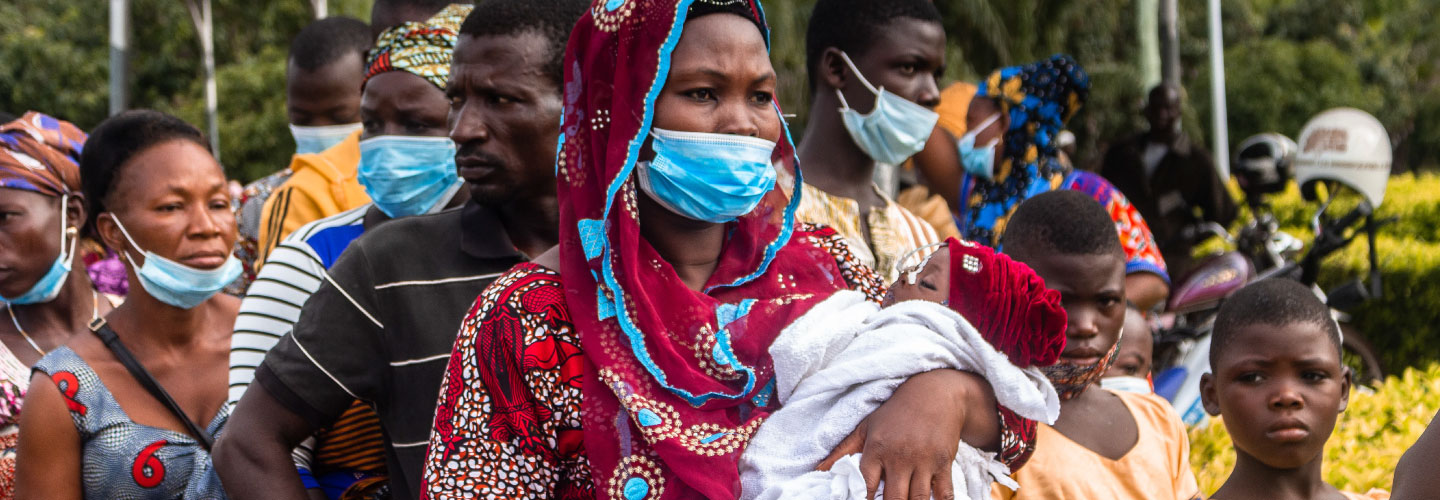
(1348, 146)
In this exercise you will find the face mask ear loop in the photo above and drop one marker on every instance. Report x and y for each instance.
(127, 238)
(858, 76)
(64, 230)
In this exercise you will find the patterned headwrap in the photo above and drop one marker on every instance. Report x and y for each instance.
(676, 381)
(423, 49)
(1039, 98)
(1007, 303)
(42, 154)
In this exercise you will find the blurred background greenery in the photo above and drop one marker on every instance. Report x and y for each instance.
(1285, 61)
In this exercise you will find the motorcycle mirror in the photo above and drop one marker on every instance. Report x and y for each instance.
(1348, 295)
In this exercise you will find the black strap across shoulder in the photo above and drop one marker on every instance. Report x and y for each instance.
(112, 341)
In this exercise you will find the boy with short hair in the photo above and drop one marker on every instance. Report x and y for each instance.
(1280, 394)
(1105, 444)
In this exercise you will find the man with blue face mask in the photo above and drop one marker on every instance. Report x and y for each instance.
(322, 103)
(407, 167)
(378, 321)
(873, 69)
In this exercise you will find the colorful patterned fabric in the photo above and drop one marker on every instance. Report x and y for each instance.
(41, 154)
(1142, 254)
(14, 382)
(1039, 98)
(121, 459)
(423, 49)
(1008, 303)
(509, 420)
(889, 232)
(248, 209)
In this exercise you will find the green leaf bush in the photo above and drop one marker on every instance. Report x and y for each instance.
(1369, 438)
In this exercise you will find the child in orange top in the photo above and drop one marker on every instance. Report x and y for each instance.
(1280, 394)
(1105, 444)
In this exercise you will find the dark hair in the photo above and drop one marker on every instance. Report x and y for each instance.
(118, 139)
(328, 40)
(1064, 221)
(1273, 302)
(853, 25)
(552, 19)
(409, 7)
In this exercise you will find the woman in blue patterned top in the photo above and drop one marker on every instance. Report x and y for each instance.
(96, 430)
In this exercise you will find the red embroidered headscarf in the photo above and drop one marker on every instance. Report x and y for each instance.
(1007, 303)
(676, 381)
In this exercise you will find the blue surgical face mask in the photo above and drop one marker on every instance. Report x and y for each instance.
(49, 285)
(892, 132)
(177, 284)
(709, 177)
(317, 139)
(979, 162)
(408, 175)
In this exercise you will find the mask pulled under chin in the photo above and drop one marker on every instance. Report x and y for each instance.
(894, 130)
(177, 284)
(1071, 380)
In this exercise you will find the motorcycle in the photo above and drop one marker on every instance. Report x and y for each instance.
(1265, 165)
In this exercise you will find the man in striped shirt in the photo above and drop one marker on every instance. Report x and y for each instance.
(380, 324)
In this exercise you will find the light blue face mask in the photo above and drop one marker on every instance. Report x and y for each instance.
(177, 284)
(408, 175)
(49, 285)
(317, 139)
(710, 177)
(979, 162)
(892, 132)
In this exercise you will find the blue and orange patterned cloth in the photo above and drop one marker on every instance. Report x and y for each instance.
(1039, 99)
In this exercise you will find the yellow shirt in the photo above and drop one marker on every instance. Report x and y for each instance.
(324, 184)
(1158, 467)
(893, 230)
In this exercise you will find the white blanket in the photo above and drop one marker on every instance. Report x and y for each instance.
(842, 360)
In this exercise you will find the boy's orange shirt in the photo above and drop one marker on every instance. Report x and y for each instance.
(1158, 467)
(323, 184)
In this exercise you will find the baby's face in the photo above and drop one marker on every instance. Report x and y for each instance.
(932, 283)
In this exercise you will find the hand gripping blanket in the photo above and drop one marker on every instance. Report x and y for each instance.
(842, 360)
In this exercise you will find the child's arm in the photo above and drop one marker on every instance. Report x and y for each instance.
(1415, 476)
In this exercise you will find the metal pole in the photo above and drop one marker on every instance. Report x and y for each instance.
(1170, 41)
(321, 8)
(1147, 30)
(1217, 89)
(203, 25)
(119, 64)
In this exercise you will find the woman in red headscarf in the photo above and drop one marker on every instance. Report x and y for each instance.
(632, 361)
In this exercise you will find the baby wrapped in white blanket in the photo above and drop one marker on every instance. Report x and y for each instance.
(845, 357)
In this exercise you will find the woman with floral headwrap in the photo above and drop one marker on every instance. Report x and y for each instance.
(41, 211)
(632, 362)
(1009, 153)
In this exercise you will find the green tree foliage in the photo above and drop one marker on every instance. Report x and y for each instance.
(54, 57)
(1285, 61)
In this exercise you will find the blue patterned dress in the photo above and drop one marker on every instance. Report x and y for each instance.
(123, 460)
